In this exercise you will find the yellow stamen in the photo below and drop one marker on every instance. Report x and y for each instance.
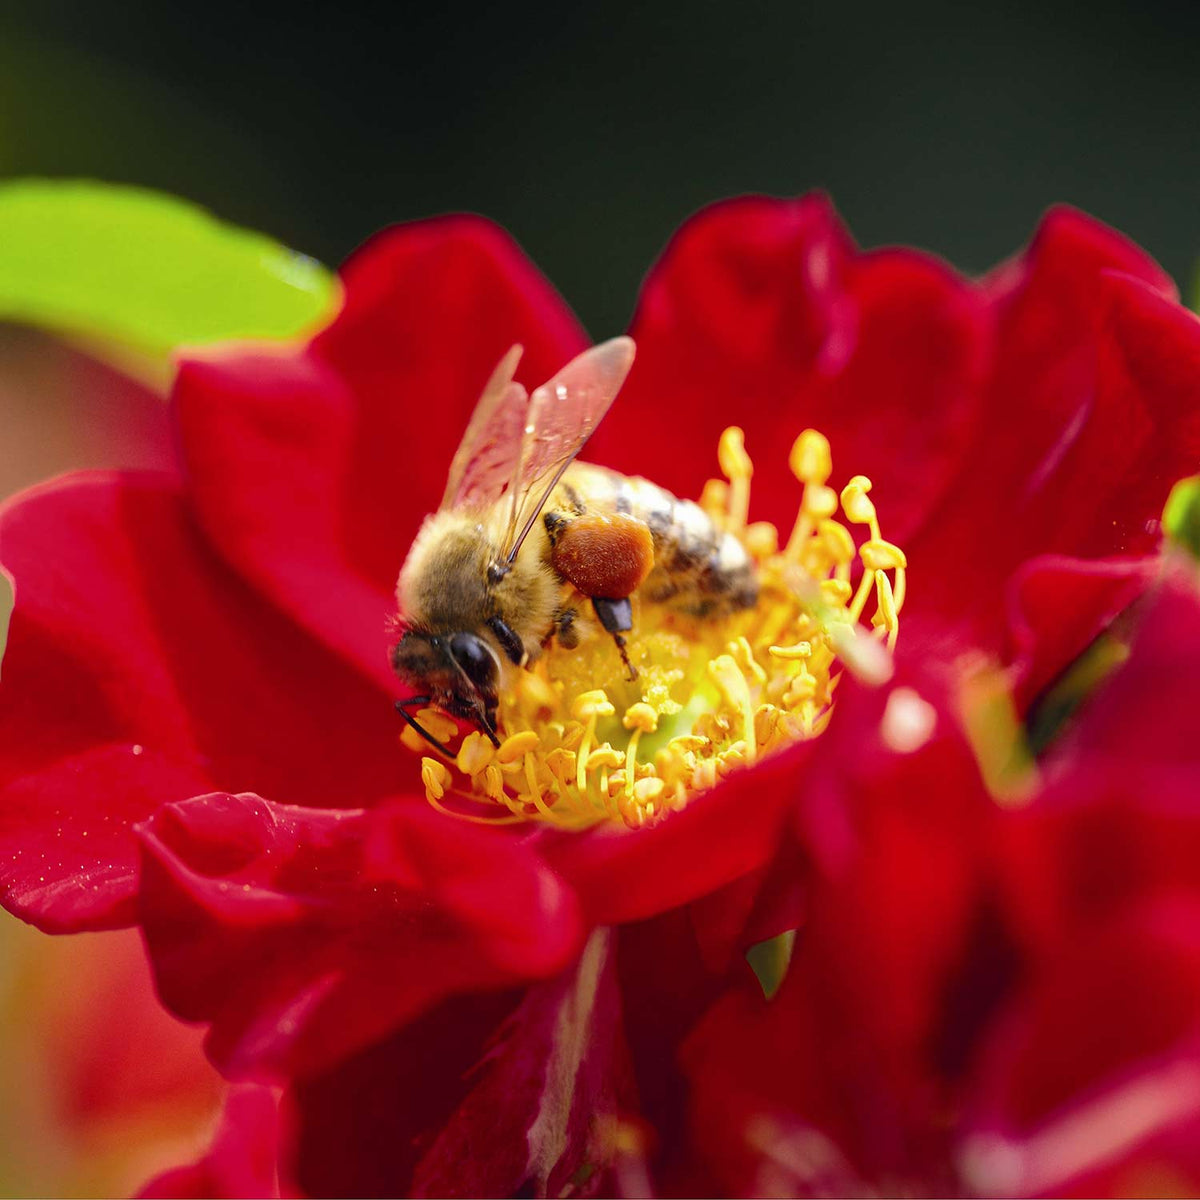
(737, 468)
(714, 694)
(435, 776)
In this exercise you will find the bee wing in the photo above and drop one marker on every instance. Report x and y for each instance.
(561, 416)
(490, 450)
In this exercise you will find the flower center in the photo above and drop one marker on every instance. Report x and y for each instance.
(586, 744)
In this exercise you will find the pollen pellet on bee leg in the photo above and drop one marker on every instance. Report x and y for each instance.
(604, 554)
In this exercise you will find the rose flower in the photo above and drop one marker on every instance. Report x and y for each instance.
(474, 975)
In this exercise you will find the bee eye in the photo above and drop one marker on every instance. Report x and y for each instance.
(475, 659)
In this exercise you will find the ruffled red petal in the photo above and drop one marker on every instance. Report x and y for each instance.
(301, 935)
(311, 468)
(762, 314)
(138, 671)
(1081, 439)
(1058, 606)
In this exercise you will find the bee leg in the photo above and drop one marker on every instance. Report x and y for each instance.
(403, 711)
(616, 616)
(509, 642)
(565, 629)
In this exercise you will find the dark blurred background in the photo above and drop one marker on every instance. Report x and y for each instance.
(590, 131)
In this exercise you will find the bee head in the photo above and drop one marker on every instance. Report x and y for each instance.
(460, 672)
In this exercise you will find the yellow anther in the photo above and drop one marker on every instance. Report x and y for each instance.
(493, 782)
(714, 498)
(474, 754)
(761, 540)
(646, 791)
(836, 592)
(604, 756)
(855, 503)
(589, 705)
(562, 764)
(736, 464)
(878, 555)
(731, 454)
(742, 653)
(819, 501)
(435, 723)
(640, 716)
(766, 721)
(887, 604)
(799, 651)
(838, 540)
(810, 459)
(804, 687)
(435, 776)
(517, 746)
(727, 675)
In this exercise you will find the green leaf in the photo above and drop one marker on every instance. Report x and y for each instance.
(770, 960)
(1181, 516)
(146, 272)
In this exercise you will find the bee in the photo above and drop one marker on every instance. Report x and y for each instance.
(527, 541)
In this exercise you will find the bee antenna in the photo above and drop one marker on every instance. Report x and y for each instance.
(415, 724)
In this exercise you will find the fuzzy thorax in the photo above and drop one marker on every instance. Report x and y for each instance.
(445, 585)
(583, 744)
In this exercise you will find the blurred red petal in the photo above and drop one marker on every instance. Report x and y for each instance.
(243, 1160)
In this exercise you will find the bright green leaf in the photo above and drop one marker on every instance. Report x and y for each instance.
(146, 272)
(1181, 517)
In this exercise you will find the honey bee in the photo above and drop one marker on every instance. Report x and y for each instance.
(527, 540)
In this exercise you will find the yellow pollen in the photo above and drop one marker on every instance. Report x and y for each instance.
(582, 744)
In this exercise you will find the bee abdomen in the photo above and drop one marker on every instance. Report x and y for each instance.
(698, 568)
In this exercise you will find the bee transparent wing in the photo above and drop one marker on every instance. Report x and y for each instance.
(561, 416)
(490, 451)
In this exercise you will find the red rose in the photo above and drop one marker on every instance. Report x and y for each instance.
(201, 656)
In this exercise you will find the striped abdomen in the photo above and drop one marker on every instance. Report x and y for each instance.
(698, 568)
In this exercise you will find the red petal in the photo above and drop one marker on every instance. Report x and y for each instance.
(760, 313)
(1048, 307)
(543, 1092)
(138, 671)
(301, 935)
(1115, 997)
(1059, 606)
(1071, 458)
(1139, 716)
(243, 1159)
(312, 468)
(365, 1124)
(626, 876)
